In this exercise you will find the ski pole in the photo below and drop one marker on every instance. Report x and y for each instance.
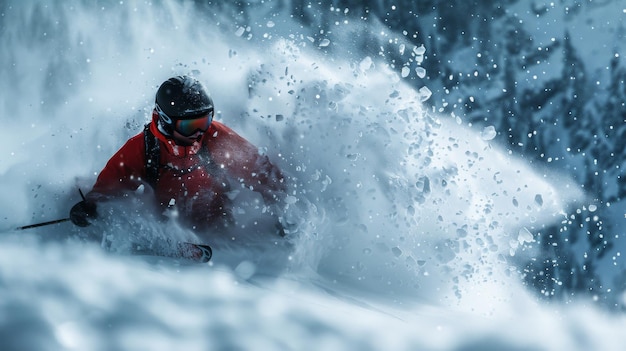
(43, 224)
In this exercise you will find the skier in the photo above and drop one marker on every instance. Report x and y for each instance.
(188, 159)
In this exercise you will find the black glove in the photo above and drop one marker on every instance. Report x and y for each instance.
(83, 212)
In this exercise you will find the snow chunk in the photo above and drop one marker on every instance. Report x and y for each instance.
(421, 72)
(524, 236)
(324, 43)
(366, 64)
(405, 71)
(424, 93)
(488, 133)
(419, 50)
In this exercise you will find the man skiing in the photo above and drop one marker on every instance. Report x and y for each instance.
(190, 161)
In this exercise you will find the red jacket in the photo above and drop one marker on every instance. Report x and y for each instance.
(197, 192)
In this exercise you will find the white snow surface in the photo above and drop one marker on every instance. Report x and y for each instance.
(410, 225)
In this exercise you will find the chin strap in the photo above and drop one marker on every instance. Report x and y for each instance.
(163, 130)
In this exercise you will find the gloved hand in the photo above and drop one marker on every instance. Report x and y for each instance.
(83, 212)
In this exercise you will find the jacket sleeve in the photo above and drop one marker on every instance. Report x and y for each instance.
(123, 172)
(243, 162)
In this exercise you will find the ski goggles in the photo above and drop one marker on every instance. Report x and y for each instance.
(188, 127)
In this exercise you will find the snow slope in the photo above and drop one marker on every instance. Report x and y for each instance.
(410, 224)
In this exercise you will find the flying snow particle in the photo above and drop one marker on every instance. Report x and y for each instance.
(488, 133)
(366, 64)
(419, 50)
(524, 236)
(424, 93)
(324, 43)
(421, 72)
(405, 71)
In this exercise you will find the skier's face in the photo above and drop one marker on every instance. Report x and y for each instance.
(183, 140)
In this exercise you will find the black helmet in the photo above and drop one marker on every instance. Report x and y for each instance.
(180, 98)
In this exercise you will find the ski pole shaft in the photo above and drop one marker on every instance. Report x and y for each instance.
(43, 224)
(51, 222)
